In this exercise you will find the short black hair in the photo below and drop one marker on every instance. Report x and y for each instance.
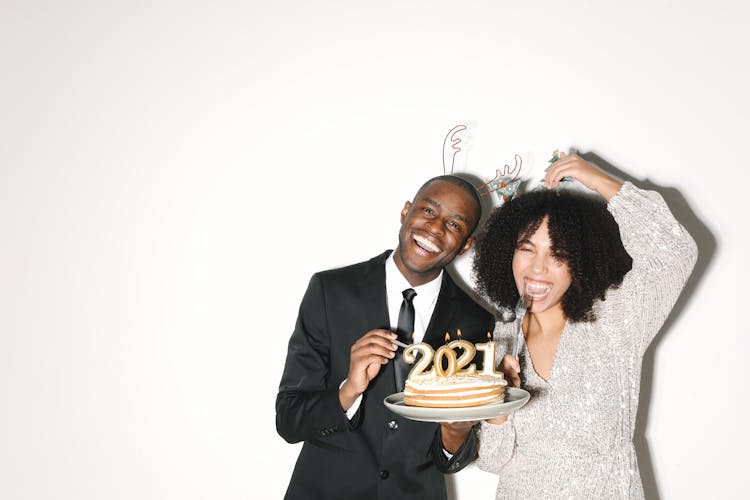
(463, 184)
(583, 234)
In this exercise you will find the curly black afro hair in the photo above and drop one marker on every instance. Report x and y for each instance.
(584, 235)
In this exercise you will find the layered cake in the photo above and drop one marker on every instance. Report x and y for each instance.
(455, 391)
(452, 381)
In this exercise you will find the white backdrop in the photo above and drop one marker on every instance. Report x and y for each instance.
(172, 173)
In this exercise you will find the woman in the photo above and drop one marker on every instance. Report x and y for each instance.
(592, 313)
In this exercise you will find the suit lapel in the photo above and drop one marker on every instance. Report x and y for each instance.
(372, 292)
(375, 305)
(375, 308)
(434, 335)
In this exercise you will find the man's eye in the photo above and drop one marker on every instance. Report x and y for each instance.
(454, 226)
(428, 210)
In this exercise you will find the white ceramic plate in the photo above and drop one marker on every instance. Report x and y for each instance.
(514, 399)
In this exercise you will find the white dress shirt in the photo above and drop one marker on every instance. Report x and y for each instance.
(424, 301)
(424, 305)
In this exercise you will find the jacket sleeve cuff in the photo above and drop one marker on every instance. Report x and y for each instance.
(466, 454)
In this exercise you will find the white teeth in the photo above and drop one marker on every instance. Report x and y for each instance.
(426, 244)
(537, 290)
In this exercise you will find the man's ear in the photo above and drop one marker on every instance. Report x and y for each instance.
(405, 211)
(467, 245)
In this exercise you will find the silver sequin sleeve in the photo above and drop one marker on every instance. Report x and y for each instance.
(574, 438)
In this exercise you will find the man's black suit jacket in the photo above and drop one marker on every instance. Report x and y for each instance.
(378, 455)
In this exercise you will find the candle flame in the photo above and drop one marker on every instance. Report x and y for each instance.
(489, 336)
(447, 337)
(458, 333)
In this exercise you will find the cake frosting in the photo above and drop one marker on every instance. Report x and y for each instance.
(455, 391)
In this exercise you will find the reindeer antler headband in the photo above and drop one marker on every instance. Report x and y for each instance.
(505, 183)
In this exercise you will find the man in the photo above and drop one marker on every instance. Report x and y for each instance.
(342, 361)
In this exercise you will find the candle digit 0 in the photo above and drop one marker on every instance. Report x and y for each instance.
(450, 355)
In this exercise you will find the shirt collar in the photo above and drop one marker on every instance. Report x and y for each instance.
(394, 280)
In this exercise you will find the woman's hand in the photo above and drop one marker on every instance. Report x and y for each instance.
(498, 420)
(577, 168)
(510, 368)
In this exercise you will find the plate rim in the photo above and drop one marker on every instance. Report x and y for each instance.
(394, 402)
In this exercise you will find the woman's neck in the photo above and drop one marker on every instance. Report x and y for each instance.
(546, 323)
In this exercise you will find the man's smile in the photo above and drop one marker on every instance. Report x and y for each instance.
(426, 244)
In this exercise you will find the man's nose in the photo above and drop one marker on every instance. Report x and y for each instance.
(435, 226)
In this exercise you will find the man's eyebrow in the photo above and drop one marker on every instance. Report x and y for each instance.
(437, 204)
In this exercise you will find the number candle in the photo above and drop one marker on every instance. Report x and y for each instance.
(488, 361)
(418, 371)
(445, 352)
(456, 365)
(467, 355)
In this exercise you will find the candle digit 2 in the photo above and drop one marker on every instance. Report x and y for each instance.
(466, 356)
(418, 371)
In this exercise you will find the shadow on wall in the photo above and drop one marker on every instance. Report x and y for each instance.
(706, 243)
(487, 207)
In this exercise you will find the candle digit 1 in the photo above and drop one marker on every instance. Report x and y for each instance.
(488, 361)
(450, 354)
(418, 371)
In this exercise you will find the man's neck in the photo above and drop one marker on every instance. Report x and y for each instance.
(414, 279)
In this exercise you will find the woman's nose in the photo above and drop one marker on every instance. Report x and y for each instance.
(539, 264)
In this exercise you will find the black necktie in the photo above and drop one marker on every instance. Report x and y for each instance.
(405, 331)
(406, 317)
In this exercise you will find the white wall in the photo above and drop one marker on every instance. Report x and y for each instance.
(172, 173)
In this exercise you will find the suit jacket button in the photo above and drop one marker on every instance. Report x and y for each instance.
(392, 425)
(383, 474)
